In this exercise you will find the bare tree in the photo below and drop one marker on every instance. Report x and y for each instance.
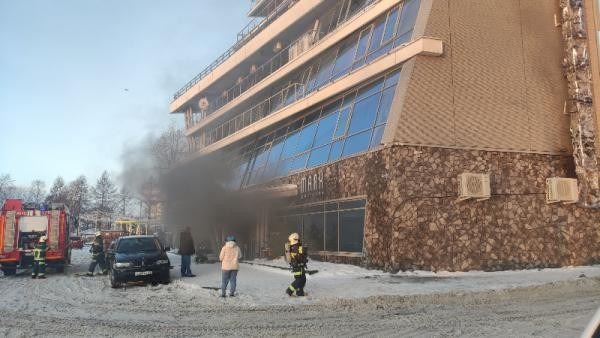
(169, 148)
(6, 187)
(37, 191)
(124, 200)
(104, 195)
(78, 197)
(58, 192)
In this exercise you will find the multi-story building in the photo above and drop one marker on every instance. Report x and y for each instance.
(430, 134)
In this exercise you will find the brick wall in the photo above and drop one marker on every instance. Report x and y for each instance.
(414, 221)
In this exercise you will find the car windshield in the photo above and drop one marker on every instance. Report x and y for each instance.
(133, 245)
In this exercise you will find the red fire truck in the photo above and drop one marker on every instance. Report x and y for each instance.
(21, 225)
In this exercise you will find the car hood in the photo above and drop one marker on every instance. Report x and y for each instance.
(140, 258)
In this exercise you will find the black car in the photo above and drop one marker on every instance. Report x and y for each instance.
(138, 258)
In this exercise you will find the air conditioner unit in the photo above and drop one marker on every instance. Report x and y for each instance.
(472, 185)
(559, 189)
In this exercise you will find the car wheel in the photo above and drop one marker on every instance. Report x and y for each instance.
(113, 280)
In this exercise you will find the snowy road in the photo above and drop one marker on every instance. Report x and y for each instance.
(411, 304)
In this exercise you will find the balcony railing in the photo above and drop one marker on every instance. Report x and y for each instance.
(285, 97)
(254, 27)
(287, 54)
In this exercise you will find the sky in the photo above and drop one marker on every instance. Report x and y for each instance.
(82, 80)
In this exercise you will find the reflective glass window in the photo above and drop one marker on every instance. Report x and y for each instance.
(377, 34)
(261, 156)
(377, 135)
(392, 79)
(361, 49)
(285, 166)
(336, 150)
(385, 104)
(275, 151)
(325, 131)
(345, 57)
(331, 231)
(390, 25)
(313, 231)
(306, 137)
(369, 90)
(299, 162)
(342, 122)
(363, 114)
(407, 21)
(352, 204)
(290, 145)
(324, 73)
(351, 228)
(318, 156)
(357, 143)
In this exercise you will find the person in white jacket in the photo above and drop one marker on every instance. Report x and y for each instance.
(230, 257)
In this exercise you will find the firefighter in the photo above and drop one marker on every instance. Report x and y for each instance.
(98, 257)
(39, 259)
(296, 256)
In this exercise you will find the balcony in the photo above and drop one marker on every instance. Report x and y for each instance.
(281, 99)
(255, 26)
(344, 11)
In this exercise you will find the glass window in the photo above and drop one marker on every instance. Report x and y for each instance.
(325, 131)
(285, 167)
(290, 145)
(275, 151)
(331, 206)
(357, 143)
(377, 34)
(392, 79)
(363, 114)
(336, 150)
(324, 73)
(306, 137)
(361, 49)
(342, 123)
(351, 230)
(262, 155)
(369, 90)
(345, 56)
(384, 105)
(318, 156)
(299, 162)
(352, 204)
(407, 21)
(331, 231)
(313, 231)
(377, 135)
(390, 25)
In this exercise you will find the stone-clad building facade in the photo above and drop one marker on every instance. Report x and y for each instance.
(360, 117)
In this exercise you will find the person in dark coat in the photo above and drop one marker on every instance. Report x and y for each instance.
(186, 250)
(297, 257)
(98, 257)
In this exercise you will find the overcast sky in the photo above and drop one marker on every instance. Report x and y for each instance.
(79, 80)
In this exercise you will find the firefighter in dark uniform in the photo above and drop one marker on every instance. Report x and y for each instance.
(98, 257)
(296, 255)
(39, 259)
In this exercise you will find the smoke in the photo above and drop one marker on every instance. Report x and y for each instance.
(193, 192)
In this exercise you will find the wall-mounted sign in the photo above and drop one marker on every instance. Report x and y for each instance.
(311, 185)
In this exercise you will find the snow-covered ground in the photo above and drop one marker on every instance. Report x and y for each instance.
(342, 300)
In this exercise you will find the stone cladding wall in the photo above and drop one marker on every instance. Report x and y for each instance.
(414, 220)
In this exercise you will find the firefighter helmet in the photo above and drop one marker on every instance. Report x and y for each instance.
(43, 239)
(294, 238)
(98, 234)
